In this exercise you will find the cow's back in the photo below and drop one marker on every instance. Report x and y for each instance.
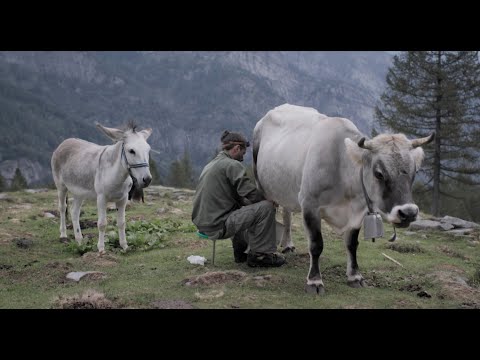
(293, 142)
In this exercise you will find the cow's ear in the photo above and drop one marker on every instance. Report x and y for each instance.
(112, 133)
(354, 151)
(146, 133)
(418, 156)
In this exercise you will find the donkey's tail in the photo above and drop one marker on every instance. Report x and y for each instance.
(66, 207)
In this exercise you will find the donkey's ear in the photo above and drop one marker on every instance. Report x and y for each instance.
(112, 133)
(146, 133)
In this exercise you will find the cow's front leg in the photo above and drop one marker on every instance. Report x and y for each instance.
(313, 227)
(121, 222)
(286, 242)
(102, 222)
(354, 278)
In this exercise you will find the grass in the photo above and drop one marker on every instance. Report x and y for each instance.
(439, 270)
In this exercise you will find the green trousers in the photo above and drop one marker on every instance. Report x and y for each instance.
(252, 225)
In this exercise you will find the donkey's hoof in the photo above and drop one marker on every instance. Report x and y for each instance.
(64, 240)
(288, 250)
(357, 283)
(101, 252)
(315, 289)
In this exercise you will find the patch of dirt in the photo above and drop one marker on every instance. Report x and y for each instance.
(17, 208)
(85, 224)
(296, 259)
(411, 288)
(90, 299)
(24, 243)
(262, 280)
(59, 265)
(335, 271)
(53, 212)
(405, 248)
(97, 259)
(192, 244)
(454, 286)
(215, 278)
(452, 253)
(172, 304)
(5, 237)
(209, 295)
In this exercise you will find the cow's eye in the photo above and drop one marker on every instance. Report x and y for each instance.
(379, 175)
(131, 151)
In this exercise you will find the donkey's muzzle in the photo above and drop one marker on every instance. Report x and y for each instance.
(147, 180)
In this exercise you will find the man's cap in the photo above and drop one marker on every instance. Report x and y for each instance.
(234, 138)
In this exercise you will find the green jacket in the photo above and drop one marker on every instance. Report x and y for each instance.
(222, 185)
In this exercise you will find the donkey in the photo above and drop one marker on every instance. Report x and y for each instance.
(105, 173)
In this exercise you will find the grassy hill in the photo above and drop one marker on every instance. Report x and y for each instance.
(438, 270)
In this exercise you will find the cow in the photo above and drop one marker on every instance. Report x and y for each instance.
(326, 168)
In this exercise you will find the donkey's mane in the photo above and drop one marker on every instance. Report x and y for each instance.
(132, 126)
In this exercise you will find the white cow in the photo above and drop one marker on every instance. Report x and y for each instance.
(306, 161)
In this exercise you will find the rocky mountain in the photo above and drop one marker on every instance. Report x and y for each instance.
(187, 97)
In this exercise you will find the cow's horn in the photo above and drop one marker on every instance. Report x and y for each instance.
(365, 144)
(423, 141)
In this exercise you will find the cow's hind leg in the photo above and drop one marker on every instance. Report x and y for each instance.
(313, 228)
(354, 278)
(62, 208)
(121, 222)
(77, 204)
(286, 242)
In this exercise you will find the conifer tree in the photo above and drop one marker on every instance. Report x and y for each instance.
(18, 182)
(437, 91)
(3, 184)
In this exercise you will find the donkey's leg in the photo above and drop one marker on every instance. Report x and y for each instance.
(121, 222)
(102, 222)
(287, 243)
(62, 207)
(77, 203)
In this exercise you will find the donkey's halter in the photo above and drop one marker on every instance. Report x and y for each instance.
(131, 166)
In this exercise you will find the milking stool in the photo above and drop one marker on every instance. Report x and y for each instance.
(205, 236)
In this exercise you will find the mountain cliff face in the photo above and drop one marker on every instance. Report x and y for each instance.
(188, 98)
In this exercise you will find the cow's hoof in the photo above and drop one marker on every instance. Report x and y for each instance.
(315, 289)
(357, 283)
(288, 250)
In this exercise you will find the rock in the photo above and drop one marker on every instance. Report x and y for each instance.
(458, 223)
(425, 225)
(77, 275)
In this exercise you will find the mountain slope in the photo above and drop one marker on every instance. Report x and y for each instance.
(188, 98)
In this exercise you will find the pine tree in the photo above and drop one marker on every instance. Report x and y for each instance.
(181, 172)
(3, 185)
(18, 182)
(156, 180)
(187, 169)
(437, 91)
